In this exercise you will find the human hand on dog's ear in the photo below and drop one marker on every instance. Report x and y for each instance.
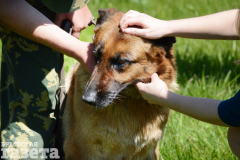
(151, 28)
(153, 92)
(79, 18)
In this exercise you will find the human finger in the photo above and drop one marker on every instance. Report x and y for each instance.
(140, 86)
(59, 19)
(76, 30)
(76, 34)
(126, 16)
(155, 78)
(136, 32)
(129, 14)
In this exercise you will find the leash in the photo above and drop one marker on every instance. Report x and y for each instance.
(66, 26)
(61, 93)
(62, 96)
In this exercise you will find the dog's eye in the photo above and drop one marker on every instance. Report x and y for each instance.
(96, 56)
(121, 61)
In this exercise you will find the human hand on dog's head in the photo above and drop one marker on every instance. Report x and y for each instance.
(155, 91)
(150, 27)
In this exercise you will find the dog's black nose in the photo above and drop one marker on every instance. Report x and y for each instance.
(89, 99)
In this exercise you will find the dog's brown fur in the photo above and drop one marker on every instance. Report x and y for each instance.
(130, 127)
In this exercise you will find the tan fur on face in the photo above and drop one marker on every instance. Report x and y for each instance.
(130, 127)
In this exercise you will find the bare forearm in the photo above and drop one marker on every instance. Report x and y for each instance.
(222, 25)
(25, 20)
(199, 108)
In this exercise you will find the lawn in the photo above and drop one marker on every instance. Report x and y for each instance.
(205, 69)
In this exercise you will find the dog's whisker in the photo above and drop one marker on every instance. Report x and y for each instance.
(118, 98)
(119, 95)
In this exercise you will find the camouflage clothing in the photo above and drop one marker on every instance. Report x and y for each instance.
(29, 80)
(65, 6)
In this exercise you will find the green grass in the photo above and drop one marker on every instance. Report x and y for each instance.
(205, 69)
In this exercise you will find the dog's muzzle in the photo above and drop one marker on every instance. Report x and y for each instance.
(89, 100)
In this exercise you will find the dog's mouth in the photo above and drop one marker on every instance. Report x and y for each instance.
(99, 99)
(102, 95)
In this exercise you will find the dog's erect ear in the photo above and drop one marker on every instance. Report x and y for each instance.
(161, 49)
(164, 42)
(104, 15)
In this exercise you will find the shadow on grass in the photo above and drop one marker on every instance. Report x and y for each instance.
(217, 65)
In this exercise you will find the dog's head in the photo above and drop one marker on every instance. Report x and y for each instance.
(122, 60)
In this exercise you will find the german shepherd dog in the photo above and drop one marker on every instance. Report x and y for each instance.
(122, 125)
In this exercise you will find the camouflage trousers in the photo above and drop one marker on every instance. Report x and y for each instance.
(29, 80)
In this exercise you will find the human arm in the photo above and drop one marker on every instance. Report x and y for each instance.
(203, 109)
(222, 25)
(28, 22)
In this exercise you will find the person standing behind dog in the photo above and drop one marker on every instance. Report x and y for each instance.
(222, 25)
(30, 70)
